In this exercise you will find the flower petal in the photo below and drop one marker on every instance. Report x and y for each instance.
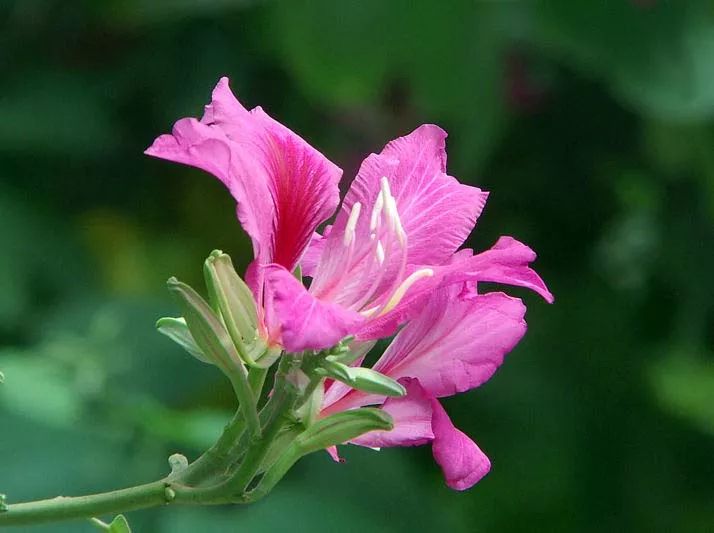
(461, 460)
(457, 342)
(436, 211)
(412, 417)
(506, 262)
(283, 186)
(306, 323)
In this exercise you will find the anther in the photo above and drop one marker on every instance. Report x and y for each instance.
(379, 252)
(351, 224)
(376, 211)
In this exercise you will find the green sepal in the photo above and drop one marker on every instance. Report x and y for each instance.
(177, 330)
(213, 340)
(364, 379)
(330, 431)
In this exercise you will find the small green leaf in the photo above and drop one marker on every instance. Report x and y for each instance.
(177, 330)
(118, 525)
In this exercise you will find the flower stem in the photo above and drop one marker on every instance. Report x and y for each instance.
(68, 508)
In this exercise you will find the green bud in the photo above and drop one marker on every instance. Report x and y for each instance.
(330, 431)
(349, 350)
(364, 379)
(178, 463)
(215, 343)
(368, 380)
(177, 330)
(3, 503)
(334, 370)
(234, 301)
(204, 326)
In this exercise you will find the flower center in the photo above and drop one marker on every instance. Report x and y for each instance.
(386, 255)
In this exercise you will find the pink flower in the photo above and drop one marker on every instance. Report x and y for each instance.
(391, 258)
(393, 242)
(454, 344)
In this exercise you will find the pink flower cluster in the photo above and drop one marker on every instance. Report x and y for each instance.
(390, 264)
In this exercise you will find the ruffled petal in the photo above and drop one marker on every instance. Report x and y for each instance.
(283, 186)
(461, 460)
(435, 211)
(306, 323)
(506, 262)
(457, 341)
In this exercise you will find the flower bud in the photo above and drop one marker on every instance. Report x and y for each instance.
(177, 330)
(207, 331)
(234, 302)
(364, 379)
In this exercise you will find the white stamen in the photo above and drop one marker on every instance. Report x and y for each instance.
(404, 287)
(376, 211)
(379, 252)
(351, 224)
(396, 222)
(384, 183)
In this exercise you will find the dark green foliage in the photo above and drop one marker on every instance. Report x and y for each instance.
(590, 122)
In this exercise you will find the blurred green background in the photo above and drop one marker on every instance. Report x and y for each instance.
(592, 124)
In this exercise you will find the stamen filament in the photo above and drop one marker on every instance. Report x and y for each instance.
(404, 287)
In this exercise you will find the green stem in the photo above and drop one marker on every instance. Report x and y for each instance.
(273, 416)
(68, 508)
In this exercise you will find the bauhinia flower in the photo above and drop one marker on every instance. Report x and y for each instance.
(390, 265)
(394, 240)
(390, 260)
(454, 344)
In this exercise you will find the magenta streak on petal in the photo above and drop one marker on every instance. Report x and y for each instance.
(283, 186)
